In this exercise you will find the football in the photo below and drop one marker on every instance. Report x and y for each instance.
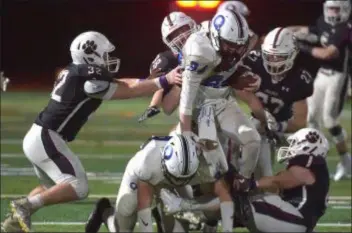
(242, 81)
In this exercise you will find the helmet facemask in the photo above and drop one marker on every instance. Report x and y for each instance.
(177, 181)
(277, 64)
(112, 64)
(177, 39)
(231, 52)
(310, 144)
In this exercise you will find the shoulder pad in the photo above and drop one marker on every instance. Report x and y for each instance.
(199, 45)
(95, 71)
(155, 138)
(165, 61)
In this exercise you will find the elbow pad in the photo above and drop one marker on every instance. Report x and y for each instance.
(99, 89)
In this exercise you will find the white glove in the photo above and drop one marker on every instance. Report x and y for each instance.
(273, 125)
(271, 122)
(172, 203)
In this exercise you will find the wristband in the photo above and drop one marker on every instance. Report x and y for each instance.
(163, 82)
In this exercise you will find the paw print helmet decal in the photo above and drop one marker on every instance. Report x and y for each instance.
(94, 48)
(306, 141)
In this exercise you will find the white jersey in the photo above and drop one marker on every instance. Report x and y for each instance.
(146, 164)
(200, 81)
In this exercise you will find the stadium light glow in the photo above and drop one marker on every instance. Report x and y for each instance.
(208, 4)
(186, 4)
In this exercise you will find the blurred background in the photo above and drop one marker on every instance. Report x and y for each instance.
(36, 34)
(35, 41)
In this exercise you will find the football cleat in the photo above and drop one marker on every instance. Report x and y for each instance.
(21, 210)
(95, 218)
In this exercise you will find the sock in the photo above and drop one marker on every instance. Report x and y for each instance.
(110, 223)
(35, 201)
(227, 212)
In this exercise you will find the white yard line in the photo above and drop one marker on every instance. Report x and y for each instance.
(81, 156)
(83, 223)
(93, 196)
(82, 142)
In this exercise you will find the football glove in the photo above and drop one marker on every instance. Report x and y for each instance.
(149, 113)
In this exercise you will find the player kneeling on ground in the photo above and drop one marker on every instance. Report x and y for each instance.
(164, 162)
(79, 91)
(303, 185)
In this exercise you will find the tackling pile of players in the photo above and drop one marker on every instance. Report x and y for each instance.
(216, 164)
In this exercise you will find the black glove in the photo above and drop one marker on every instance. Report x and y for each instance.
(148, 113)
(241, 184)
(304, 47)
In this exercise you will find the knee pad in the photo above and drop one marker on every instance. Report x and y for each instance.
(338, 134)
(248, 135)
(81, 187)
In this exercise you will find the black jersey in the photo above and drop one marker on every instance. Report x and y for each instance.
(165, 61)
(278, 98)
(338, 36)
(310, 200)
(69, 106)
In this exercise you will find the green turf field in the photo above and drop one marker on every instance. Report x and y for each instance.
(104, 145)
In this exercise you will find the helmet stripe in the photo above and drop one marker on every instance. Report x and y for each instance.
(169, 20)
(185, 155)
(239, 24)
(277, 37)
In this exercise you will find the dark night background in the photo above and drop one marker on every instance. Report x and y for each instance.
(36, 35)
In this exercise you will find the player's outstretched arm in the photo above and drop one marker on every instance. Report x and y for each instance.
(253, 103)
(299, 119)
(293, 177)
(171, 100)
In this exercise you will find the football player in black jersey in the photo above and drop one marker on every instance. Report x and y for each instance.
(303, 185)
(287, 80)
(175, 29)
(79, 90)
(331, 34)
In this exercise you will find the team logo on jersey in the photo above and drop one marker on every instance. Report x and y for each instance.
(219, 21)
(89, 47)
(133, 185)
(168, 151)
(193, 66)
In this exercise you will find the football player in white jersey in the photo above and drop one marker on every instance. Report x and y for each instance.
(163, 162)
(205, 55)
(241, 8)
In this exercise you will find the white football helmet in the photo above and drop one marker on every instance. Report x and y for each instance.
(279, 51)
(306, 141)
(175, 30)
(229, 34)
(337, 11)
(94, 48)
(180, 160)
(239, 6)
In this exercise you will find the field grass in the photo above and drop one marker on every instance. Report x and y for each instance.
(105, 144)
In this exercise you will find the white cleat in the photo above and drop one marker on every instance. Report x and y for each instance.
(343, 168)
(172, 203)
